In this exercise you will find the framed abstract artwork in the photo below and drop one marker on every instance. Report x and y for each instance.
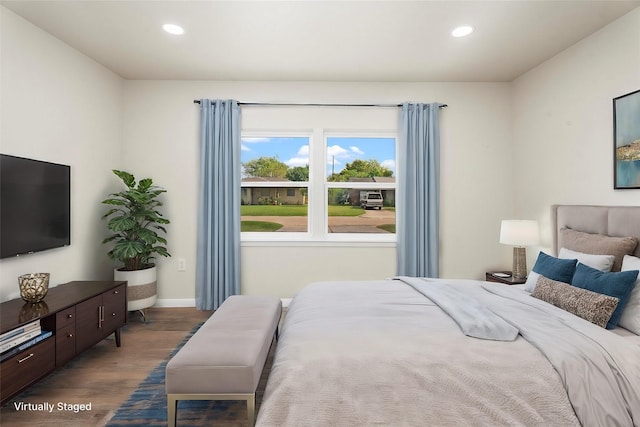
(626, 141)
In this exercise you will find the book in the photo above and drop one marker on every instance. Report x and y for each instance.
(17, 331)
(33, 341)
(19, 339)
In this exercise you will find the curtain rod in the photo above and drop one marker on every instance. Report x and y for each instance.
(286, 104)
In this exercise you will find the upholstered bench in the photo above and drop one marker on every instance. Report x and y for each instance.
(223, 360)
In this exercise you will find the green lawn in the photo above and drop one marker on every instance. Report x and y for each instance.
(391, 228)
(270, 210)
(296, 210)
(259, 226)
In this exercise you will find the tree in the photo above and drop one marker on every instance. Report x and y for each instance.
(298, 173)
(269, 167)
(361, 169)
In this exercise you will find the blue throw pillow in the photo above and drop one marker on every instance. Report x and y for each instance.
(618, 285)
(558, 269)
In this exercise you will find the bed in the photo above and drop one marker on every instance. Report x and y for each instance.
(383, 353)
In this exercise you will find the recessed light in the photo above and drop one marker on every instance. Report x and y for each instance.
(173, 29)
(461, 31)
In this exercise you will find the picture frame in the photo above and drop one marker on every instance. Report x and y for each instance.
(626, 141)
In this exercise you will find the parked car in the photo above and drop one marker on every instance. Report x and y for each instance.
(371, 199)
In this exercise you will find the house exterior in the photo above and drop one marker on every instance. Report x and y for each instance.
(389, 196)
(261, 195)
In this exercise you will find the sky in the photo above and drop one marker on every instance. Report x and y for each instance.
(294, 151)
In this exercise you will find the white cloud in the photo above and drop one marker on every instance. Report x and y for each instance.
(255, 140)
(338, 156)
(389, 164)
(297, 161)
(244, 148)
(302, 158)
(337, 151)
(342, 153)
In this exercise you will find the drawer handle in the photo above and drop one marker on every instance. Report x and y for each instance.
(69, 335)
(25, 358)
(69, 316)
(113, 314)
(115, 292)
(100, 316)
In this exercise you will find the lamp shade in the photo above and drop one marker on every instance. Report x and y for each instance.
(519, 232)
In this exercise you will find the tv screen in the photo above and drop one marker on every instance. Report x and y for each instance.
(35, 212)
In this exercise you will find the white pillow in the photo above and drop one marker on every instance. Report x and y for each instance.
(599, 262)
(532, 280)
(630, 318)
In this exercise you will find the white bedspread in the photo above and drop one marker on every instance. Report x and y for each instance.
(381, 354)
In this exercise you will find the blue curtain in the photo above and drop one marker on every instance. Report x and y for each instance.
(418, 191)
(218, 251)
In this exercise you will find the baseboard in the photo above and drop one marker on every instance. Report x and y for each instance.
(187, 302)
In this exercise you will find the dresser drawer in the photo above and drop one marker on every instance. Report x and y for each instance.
(115, 310)
(27, 367)
(66, 318)
(65, 344)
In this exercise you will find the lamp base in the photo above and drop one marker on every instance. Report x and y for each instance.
(519, 263)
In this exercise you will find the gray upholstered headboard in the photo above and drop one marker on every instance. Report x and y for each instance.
(617, 221)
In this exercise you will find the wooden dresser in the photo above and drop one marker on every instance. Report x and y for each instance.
(79, 314)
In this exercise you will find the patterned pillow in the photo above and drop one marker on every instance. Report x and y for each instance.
(598, 244)
(591, 306)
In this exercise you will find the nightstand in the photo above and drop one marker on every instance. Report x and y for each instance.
(506, 280)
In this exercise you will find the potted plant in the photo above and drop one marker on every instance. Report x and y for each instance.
(135, 222)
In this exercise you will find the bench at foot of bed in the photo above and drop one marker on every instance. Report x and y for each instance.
(224, 359)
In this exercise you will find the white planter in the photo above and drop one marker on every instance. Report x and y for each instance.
(141, 287)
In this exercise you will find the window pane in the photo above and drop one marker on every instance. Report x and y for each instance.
(275, 158)
(270, 209)
(349, 158)
(361, 210)
(269, 167)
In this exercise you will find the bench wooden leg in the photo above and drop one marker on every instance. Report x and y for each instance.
(172, 406)
(251, 409)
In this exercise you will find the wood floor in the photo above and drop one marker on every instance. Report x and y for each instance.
(105, 375)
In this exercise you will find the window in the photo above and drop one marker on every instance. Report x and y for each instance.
(360, 185)
(319, 174)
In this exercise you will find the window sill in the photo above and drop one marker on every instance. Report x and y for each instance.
(318, 243)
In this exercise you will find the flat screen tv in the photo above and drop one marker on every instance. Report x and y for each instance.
(35, 208)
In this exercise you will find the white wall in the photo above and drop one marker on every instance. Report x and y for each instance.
(563, 123)
(58, 105)
(508, 150)
(161, 140)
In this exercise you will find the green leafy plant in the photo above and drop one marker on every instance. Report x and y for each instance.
(135, 223)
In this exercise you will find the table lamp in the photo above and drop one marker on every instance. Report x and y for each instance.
(519, 233)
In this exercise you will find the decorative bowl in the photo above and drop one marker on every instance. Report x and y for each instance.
(34, 286)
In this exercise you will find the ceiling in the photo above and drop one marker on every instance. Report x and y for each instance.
(400, 41)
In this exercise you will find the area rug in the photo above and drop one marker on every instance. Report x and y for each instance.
(147, 406)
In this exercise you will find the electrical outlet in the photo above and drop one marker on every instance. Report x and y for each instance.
(182, 264)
